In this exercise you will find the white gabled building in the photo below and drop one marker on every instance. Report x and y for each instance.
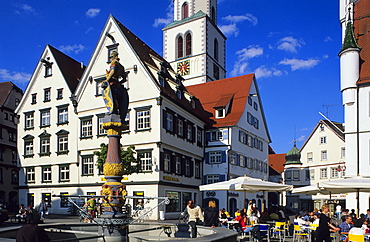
(166, 126)
(237, 137)
(322, 157)
(47, 135)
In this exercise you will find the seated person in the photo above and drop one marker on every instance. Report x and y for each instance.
(274, 216)
(237, 213)
(345, 227)
(300, 221)
(22, 213)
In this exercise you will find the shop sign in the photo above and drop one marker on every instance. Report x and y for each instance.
(233, 194)
(169, 178)
(210, 194)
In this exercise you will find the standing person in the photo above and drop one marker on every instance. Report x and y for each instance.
(195, 217)
(367, 216)
(323, 231)
(338, 210)
(31, 232)
(90, 204)
(211, 215)
(43, 208)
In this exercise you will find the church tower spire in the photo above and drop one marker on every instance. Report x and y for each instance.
(193, 44)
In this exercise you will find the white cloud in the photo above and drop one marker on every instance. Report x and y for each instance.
(297, 64)
(92, 12)
(302, 138)
(231, 28)
(264, 71)
(250, 52)
(328, 39)
(243, 55)
(18, 77)
(72, 48)
(165, 21)
(28, 9)
(290, 44)
(89, 29)
(239, 18)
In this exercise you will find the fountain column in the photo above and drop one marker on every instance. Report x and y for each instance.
(114, 220)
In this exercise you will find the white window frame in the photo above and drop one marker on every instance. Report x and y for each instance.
(46, 174)
(323, 173)
(45, 118)
(146, 161)
(216, 135)
(86, 128)
(29, 120)
(215, 157)
(187, 167)
(334, 173)
(189, 132)
(180, 127)
(87, 165)
(324, 155)
(296, 175)
(169, 121)
(101, 130)
(30, 174)
(45, 145)
(64, 173)
(178, 165)
(167, 162)
(28, 147)
(143, 119)
(62, 143)
(233, 158)
(322, 140)
(312, 174)
(213, 178)
(310, 157)
(63, 115)
(343, 152)
(197, 169)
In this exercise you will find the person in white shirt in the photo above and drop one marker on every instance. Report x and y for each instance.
(195, 216)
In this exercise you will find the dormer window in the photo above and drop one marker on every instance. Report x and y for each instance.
(220, 113)
(111, 48)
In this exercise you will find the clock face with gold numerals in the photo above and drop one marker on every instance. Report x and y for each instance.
(183, 68)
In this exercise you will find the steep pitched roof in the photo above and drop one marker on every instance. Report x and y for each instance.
(362, 33)
(336, 127)
(150, 58)
(5, 90)
(276, 162)
(211, 94)
(70, 68)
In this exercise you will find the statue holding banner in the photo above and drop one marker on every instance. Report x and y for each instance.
(115, 95)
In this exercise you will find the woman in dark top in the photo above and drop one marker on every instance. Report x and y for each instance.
(211, 215)
(323, 231)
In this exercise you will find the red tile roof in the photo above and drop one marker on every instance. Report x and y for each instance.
(362, 33)
(216, 93)
(277, 161)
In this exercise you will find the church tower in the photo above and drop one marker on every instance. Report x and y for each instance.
(193, 44)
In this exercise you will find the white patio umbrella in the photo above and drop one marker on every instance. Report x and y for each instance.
(246, 184)
(312, 189)
(345, 185)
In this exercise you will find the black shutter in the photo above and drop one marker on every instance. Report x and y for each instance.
(173, 164)
(191, 168)
(193, 133)
(164, 119)
(183, 161)
(161, 161)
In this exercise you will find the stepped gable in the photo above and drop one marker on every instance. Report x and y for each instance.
(70, 68)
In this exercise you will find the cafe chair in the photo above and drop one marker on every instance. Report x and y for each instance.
(299, 233)
(356, 237)
(279, 230)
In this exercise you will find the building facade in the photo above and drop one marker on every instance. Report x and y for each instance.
(10, 97)
(355, 88)
(237, 138)
(322, 157)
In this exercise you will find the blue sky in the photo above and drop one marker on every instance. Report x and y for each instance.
(291, 45)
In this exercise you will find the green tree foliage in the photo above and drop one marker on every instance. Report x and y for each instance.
(130, 163)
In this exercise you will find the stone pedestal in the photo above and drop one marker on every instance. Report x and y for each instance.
(115, 223)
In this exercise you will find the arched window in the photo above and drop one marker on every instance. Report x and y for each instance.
(180, 47)
(213, 14)
(215, 49)
(188, 44)
(185, 10)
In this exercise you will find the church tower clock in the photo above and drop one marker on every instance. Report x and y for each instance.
(193, 43)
